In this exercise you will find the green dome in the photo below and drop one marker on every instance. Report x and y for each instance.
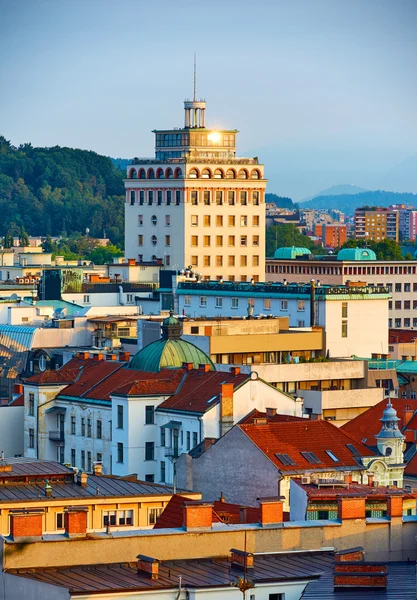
(170, 351)
(356, 254)
(290, 252)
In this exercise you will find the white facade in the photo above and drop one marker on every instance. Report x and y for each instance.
(183, 429)
(11, 430)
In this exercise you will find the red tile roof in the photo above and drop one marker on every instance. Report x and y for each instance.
(164, 383)
(257, 414)
(223, 512)
(200, 391)
(367, 425)
(293, 437)
(411, 468)
(18, 401)
(402, 336)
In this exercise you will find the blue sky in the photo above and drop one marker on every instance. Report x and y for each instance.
(323, 91)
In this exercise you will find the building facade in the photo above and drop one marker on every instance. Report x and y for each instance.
(196, 204)
(376, 223)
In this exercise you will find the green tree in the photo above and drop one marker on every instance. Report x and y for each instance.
(286, 234)
(49, 246)
(23, 238)
(8, 240)
(104, 254)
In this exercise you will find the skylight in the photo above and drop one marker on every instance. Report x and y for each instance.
(285, 459)
(352, 448)
(311, 457)
(211, 400)
(332, 456)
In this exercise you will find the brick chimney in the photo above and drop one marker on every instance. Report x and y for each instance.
(75, 521)
(235, 371)
(111, 357)
(82, 478)
(198, 514)
(98, 469)
(395, 506)
(351, 508)
(271, 510)
(98, 356)
(204, 368)
(148, 565)
(26, 524)
(241, 560)
(407, 415)
(226, 407)
(18, 388)
(351, 571)
(83, 355)
(124, 356)
(188, 366)
(371, 478)
(347, 477)
(351, 555)
(270, 412)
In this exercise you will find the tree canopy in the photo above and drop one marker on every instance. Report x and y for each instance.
(287, 234)
(54, 191)
(384, 250)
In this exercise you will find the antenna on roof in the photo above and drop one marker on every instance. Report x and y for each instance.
(195, 77)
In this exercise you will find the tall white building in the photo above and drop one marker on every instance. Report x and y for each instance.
(196, 204)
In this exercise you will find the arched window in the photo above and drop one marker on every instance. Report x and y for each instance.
(154, 258)
(151, 174)
(132, 174)
(142, 174)
(154, 240)
(169, 173)
(154, 220)
(159, 174)
(218, 174)
(178, 173)
(193, 174)
(231, 174)
(255, 174)
(206, 174)
(388, 451)
(243, 174)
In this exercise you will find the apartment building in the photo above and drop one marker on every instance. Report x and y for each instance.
(352, 265)
(376, 223)
(196, 204)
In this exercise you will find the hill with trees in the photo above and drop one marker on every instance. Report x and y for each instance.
(280, 201)
(347, 203)
(59, 191)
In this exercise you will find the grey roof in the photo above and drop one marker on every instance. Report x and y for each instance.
(401, 585)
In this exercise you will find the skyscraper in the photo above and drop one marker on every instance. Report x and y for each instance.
(196, 204)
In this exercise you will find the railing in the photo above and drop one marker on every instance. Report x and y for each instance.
(173, 452)
(56, 436)
(195, 159)
(279, 288)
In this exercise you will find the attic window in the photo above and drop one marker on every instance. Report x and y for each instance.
(311, 457)
(285, 459)
(332, 456)
(352, 448)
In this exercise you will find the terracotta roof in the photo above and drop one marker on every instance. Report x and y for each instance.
(257, 414)
(172, 516)
(18, 401)
(353, 490)
(367, 425)
(411, 468)
(293, 438)
(165, 382)
(200, 391)
(402, 336)
(62, 376)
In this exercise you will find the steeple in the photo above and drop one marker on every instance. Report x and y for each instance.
(195, 110)
(171, 327)
(390, 439)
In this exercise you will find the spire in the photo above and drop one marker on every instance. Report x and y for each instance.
(171, 327)
(389, 422)
(195, 110)
(195, 78)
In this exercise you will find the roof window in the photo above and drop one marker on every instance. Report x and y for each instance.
(352, 448)
(332, 456)
(311, 457)
(285, 459)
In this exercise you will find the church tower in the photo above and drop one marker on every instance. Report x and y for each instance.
(195, 204)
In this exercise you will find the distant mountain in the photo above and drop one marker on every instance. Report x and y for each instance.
(402, 177)
(337, 190)
(280, 201)
(347, 203)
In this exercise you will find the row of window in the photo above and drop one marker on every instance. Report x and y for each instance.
(86, 427)
(338, 270)
(206, 197)
(154, 240)
(85, 459)
(154, 220)
(160, 173)
(219, 240)
(218, 262)
(194, 173)
(398, 304)
(407, 322)
(158, 197)
(115, 518)
(234, 303)
(231, 221)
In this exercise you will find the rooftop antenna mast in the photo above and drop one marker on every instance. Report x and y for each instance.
(195, 77)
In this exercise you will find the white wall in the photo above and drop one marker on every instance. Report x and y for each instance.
(11, 430)
(298, 502)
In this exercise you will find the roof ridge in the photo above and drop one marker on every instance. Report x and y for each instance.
(96, 383)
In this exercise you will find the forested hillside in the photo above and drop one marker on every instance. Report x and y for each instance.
(59, 191)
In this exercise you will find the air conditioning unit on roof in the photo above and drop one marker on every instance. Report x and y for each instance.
(306, 479)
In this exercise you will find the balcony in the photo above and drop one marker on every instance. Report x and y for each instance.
(57, 437)
(173, 452)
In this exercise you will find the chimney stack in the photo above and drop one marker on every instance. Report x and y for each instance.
(198, 514)
(270, 412)
(75, 521)
(226, 407)
(98, 469)
(204, 368)
(82, 478)
(241, 560)
(124, 356)
(26, 525)
(188, 366)
(148, 565)
(271, 510)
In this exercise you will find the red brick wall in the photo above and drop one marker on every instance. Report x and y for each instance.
(198, 516)
(395, 506)
(350, 556)
(25, 525)
(239, 559)
(149, 567)
(361, 580)
(359, 567)
(75, 522)
(271, 512)
(351, 508)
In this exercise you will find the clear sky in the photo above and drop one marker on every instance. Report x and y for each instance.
(323, 91)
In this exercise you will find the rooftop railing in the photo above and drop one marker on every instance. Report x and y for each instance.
(280, 288)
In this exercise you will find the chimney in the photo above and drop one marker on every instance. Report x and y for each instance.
(271, 510)
(188, 366)
(350, 507)
(222, 498)
(243, 514)
(350, 555)
(351, 571)
(82, 478)
(131, 262)
(241, 560)
(204, 368)
(235, 371)
(270, 412)
(48, 489)
(408, 415)
(111, 357)
(18, 388)
(98, 469)
(226, 407)
(124, 356)
(198, 514)
(347, 477)
(26, 525)
(98, 356)
(148, 565)
(312, 303)
(371, 477)
(395, 506)
(75, 521)
(83, 355)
